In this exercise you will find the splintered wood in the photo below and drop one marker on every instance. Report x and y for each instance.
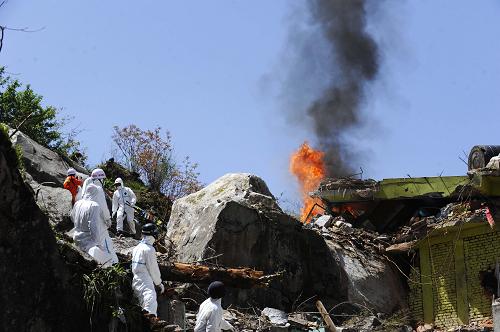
(233, 277)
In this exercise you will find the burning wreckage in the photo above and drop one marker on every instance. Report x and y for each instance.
(438, 232)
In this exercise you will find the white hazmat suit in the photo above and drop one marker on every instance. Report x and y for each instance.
(209, 317)
(146, 274)
(101, 197)
(90, 232)
(123, 201)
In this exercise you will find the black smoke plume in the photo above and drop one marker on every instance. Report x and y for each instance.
(353, 61)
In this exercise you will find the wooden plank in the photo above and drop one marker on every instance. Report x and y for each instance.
(461, 283)
(400, 247)
(326, 317)
(426, 279)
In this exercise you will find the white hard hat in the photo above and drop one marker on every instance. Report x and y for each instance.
(71, 171)
(119, 181)
(98, 174)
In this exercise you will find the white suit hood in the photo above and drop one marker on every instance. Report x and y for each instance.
(97, 195)
(119, 181)
(91, 193)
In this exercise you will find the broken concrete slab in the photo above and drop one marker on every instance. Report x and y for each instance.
(276, 317)
(324, 221)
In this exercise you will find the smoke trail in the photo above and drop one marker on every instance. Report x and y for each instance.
(352, 61)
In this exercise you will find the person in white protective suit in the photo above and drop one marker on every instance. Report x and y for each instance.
(97, 178)
(146, 271)
(124, 201)
(91, 232)
(209, 317)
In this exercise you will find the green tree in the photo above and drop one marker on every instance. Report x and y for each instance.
(22, 107)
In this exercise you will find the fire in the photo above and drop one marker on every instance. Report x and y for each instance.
(309, 168)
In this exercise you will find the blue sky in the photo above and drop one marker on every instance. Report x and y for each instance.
(209, 71)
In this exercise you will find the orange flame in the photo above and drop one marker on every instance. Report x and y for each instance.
(309, 168)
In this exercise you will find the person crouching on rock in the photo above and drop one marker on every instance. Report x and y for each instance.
(91, 232)
(146, 271)
(72, 183)
(209, 317)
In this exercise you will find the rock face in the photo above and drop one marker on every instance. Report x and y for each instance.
(237, 217)
(38, 292)
(45, 173)
(43, 164)
(370, 280)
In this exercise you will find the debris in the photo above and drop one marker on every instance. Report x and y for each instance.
(342, 224)
(489, 217)
(276, 317)
(298, 321)
(324, 221)
(425, 328)
(400, 247)
(326, 317)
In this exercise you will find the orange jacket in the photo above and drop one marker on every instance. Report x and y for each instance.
(71, 183)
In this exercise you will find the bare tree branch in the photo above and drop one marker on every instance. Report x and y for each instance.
(3, 28)
(23, 29)
(1, 34)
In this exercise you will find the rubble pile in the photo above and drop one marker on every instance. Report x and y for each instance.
(452, 214)
(345, 236)
(357, 187)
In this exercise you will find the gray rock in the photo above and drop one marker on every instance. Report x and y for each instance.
(124, 245)
(275, 316)
(43, 164)
(55, 202)
(371, 280)
(45, 173)
(38, 290)
(369, 323)
(238, 217)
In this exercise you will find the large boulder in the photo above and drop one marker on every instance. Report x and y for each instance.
(45, 172)
(54, 201)
(371, 281)
(238, 218)
(43, 164)
(38, 291)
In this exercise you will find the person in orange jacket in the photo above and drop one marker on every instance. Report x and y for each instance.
(72, 183)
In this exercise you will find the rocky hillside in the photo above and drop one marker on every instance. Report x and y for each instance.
(38, 290)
